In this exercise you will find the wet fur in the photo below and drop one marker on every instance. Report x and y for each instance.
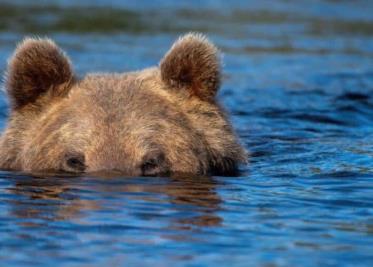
(117, 121)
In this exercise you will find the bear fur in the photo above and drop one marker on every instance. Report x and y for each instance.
(157, 121)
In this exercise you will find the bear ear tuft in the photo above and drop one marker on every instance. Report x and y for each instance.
(193, 63)
(38, 66)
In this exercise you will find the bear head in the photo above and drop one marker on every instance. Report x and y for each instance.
(157, 121)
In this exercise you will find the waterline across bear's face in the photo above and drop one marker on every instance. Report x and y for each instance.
(153, 122)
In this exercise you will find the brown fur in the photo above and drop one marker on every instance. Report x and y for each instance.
(153, 122)
(36, 66)
(192, 64)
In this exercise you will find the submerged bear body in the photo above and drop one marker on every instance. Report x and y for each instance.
(157, 121)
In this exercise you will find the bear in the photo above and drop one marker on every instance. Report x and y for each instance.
(159, 121)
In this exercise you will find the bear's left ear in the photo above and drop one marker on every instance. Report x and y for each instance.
(37, 67)
(193, 64)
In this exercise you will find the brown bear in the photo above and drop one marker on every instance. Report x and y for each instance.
(158, 121)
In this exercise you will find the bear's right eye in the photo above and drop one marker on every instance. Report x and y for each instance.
(154, 164)
(74, 163)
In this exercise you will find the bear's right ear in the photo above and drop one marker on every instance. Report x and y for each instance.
(37, 67)
(192, 64)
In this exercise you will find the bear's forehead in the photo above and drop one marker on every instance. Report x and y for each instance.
(110, 90)
(121, 95)
(95, 85)
(108, 106)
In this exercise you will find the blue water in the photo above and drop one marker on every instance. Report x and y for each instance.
(298, 83)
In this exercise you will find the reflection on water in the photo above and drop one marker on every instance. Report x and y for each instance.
(298, 82)
(141, 211)
(58, 199)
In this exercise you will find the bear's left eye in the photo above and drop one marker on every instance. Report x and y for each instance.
(154, 165)
(74, 163)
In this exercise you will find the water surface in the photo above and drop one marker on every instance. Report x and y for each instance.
(298, 82)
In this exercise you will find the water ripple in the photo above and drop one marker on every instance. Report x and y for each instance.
(298, 83)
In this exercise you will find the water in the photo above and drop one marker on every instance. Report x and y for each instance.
(298, 83)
